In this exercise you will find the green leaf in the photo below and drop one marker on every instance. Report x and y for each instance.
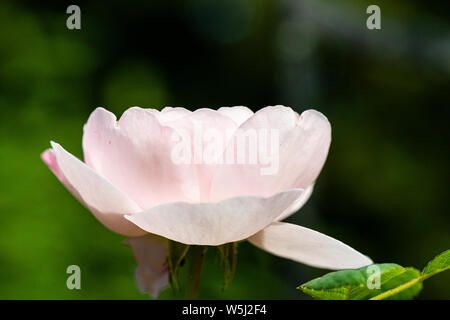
(395, 282)
(228, 253)
(438, 264)
(177, 252)
(361, 284)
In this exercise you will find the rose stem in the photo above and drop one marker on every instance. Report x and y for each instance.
(195, 270)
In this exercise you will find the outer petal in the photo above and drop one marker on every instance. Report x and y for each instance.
(308, 246)
(135, 155)
(238, 114)
(301, 152)
(48, 156)
(152, 273)
(304, 197)
(214, 223)
(106, 202)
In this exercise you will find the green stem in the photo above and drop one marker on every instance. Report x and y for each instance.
(195, 270)
(404, 286)
(398, 289)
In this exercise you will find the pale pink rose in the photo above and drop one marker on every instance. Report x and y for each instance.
(132, 185)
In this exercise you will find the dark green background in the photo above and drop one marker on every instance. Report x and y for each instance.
(384, 189)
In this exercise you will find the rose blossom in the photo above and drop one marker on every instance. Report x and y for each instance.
(130, 183)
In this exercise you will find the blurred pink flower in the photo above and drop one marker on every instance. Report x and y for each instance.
(130, 182)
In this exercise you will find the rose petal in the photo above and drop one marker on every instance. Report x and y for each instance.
(135, 154)
(207, 133)
(304, 197)
(48, 156)
(171, 114)
(308, 246)
(303, 147)
(152, 273)
(105, 201)
(214, 223)
(238, 114)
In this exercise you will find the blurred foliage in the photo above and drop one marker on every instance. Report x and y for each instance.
(384, 188)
